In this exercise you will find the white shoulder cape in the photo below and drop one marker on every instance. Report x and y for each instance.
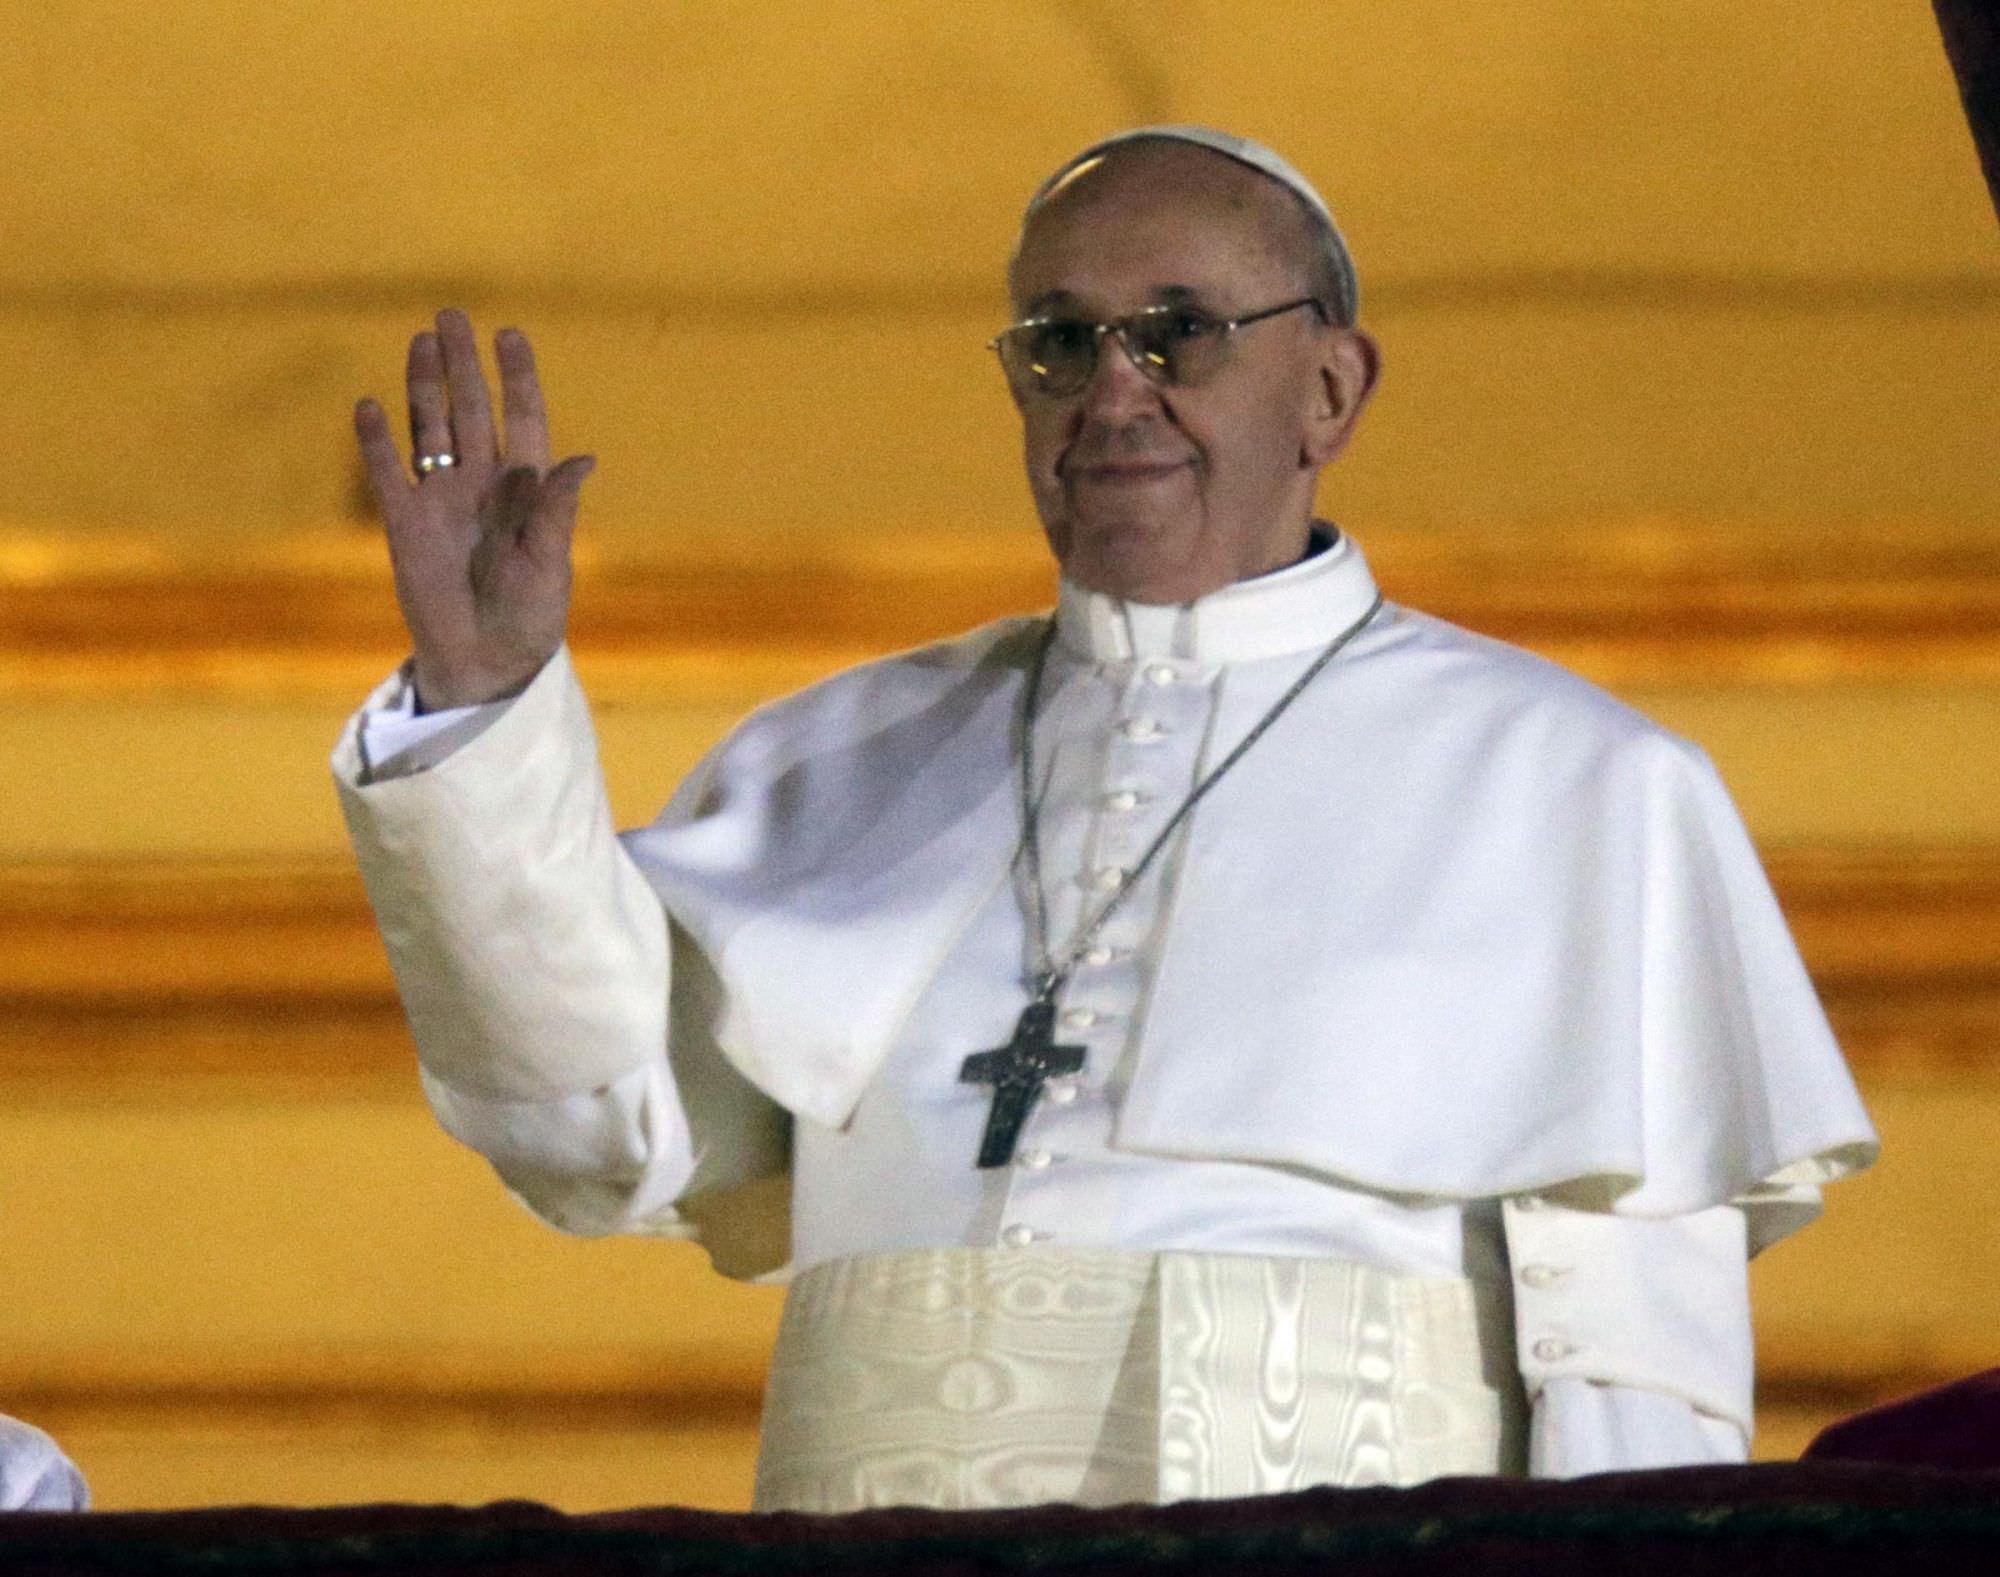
(1466, 926)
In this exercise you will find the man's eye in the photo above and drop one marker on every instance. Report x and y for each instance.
(1063, 337)
(1187, 324)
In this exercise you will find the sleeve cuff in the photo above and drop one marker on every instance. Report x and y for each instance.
(1660, 1305)
(611, 1159)
(396, 740)
(1582, 1426)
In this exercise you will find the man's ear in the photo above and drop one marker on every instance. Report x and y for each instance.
(1345, 377)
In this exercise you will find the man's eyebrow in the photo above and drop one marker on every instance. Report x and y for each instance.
(1045, 301)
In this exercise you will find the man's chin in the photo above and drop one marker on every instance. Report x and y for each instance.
(1133, 563)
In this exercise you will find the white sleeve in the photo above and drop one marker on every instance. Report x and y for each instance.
(1582, 1426)
(1632, 1336)
(533, 959)
(613, 1159)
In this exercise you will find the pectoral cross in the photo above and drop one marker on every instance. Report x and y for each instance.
(1017, 1071)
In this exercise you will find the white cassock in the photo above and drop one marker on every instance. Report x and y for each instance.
(1448, 1064)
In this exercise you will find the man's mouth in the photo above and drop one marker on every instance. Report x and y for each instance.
(1123, 473)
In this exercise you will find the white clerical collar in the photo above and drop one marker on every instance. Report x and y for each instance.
(1289, 610)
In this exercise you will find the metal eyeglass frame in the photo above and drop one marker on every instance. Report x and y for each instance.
(1153, 369)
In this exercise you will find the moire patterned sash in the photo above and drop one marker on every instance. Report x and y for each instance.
(1003, 1377)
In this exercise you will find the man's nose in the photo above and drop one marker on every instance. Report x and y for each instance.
(1117, 389)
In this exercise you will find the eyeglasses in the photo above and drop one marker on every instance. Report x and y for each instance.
(1175, 347)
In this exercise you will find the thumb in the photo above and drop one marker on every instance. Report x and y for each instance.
(553, 522)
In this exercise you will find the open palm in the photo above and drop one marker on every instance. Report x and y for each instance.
(481, 545)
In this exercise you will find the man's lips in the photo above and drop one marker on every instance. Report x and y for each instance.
(1123, 473)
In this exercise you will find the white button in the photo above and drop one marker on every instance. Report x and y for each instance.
(1018, 1236)
(1543, 1275)
(1549, 1350)
(1036, 1160)
(1108, 878)
(1160, 674)
(1098, 956)
(1061, 1091)
(1139, 728)
(1079, 1018)
(1122, 799)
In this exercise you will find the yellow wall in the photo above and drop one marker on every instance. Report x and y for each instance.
(1728, 269)
(1677, 256)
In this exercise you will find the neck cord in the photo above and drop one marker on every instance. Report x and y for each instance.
(1051, 972)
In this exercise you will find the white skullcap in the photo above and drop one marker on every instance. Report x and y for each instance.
(1257, 157)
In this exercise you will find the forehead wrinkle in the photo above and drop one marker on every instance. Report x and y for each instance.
(1160, 296)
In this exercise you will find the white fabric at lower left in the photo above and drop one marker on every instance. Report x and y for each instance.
(34, 1473)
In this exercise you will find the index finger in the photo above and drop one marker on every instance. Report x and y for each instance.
(378, 454)
(525, 416)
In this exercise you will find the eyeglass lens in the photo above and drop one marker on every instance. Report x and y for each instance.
(1058, 356)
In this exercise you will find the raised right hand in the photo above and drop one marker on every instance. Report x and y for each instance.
(481, 549)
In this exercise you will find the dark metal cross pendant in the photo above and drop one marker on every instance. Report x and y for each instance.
(1017, 1071)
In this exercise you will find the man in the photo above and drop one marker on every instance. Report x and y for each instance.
(1228, 1036)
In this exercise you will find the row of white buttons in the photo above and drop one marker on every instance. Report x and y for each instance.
(1108, 878)
(1063, 1092)
(1159, 675)
(1549, 1349)
(1020, 1234)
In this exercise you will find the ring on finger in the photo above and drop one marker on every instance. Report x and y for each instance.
(443, 460)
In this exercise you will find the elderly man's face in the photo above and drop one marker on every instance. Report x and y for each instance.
(1163, 494)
